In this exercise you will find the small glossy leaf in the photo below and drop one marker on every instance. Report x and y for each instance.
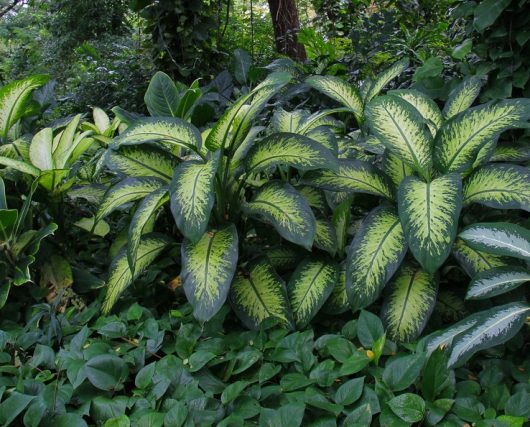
(192, 196)
(402, 371)
(409, 407)
(106, 371)
(496, 281)
(498, 238)
(352, 176)
(408, 304)
(208, 267)
(259, 294)
(374, 256)
(286, 210)
(309, 287)
(429, 215)
(496, 326)
(500, 186)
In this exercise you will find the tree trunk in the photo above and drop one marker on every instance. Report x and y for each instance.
(286, 26)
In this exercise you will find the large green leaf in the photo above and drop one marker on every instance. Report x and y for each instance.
(474, 261)
(487, 12)
(258, 294)
(192, 196)
(14, 98)
(170, 132)
(128, 190)
(494, 327)
(309, 287)
(401, 128)
(429, 215)
(41, 150)
(208, 267)
(224, 133)
(498, 238)
(408, 303)
(385, 77)
(460, 139)
(425, 106)
(141, 160)
(463, 96)
(162, 96)
(146, 209)
(340, 91)
(121, 276)
(500, 186)
(374, 256)
(496, 281)
(352, 176)
(395, 168)
(289, 149)
(286, 210)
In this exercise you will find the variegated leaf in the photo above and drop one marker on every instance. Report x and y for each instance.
(223, 133)
(260, 294)
(288, 121)
(385, 77)
(141, 160)
(395, 168)
(500, 186)
(192, 196)
(121, 276)
(289, 149)
(309, 287)
(338, 302)
(341, 222)
(170, 132)
(463, 96)
(429, 215)
(511, 153)
(65, 143)
(147, 208)
(14, 98)
(286, 210)
(408, 304)
(128, 190)
(374, 256)
(19, 165)
(474, 261)
(352, 176)
(460, 139)
(400, 127)
(41, 149)
(498, 238)
(496, 326)
(325, 137)
(425, 106)
(208, 267)
(339, 90)
(283, 258)
(496, 281)
(314, 197)
(326, 236)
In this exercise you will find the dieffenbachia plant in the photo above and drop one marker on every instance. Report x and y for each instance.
(430, 166)
(227, 189)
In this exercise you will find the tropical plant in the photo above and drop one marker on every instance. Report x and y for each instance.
(435, 166)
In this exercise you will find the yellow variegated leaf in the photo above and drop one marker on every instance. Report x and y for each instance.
(65, 143)
(400, 127)
(121, 276)
(385, 77)
(285, 121)
(340, 91)
(283, 258)
(352, 176)
(289, 149)
(425, 106)
(314, 197)
(208, 267)
(500, 186)
(341, 222)
(286, 210)
(337, 302)
(474, 261)
(141, 160)
(325, 137)
(429, 215)
(395, 168)
(309, 287)
(511, 153)
(128, 190)
(374, 256)
(463, 96)
(192, 196)
(326, 236)
(19, 165)
(259, 294)
(408, 303)
(460, 139)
